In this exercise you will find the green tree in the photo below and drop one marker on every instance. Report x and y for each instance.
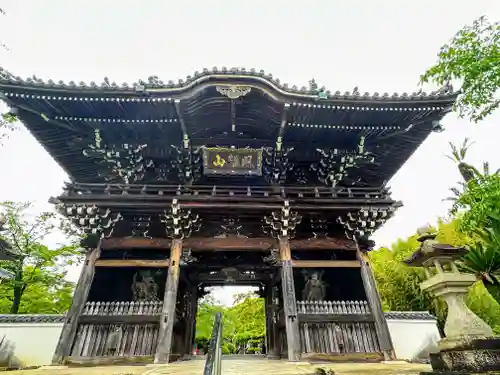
(250, 318)
(7, 124)
(399, 287)
(476, 206)
(477, 196)
(37, 266)
(398, 284)
(49, 294)
(207, 308)
(473, 58)
(483, 257)
(478, 199)
(243, 321)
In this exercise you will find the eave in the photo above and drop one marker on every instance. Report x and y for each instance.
(191, 85)
(63, 117)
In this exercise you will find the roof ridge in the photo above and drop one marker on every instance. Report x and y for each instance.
(153, 82)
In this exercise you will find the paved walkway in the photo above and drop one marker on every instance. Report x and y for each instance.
(237, 366)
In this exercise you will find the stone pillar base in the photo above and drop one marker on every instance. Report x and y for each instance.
(467, 354)
(271, 356)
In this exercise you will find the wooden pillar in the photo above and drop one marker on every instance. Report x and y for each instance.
(70, 327)
(384, 337)
(274, 349)
(195, 315)
(268, 300)
(167, 321)
(190, 320)
(289, 301)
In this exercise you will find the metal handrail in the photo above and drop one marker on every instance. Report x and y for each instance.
(213, 363)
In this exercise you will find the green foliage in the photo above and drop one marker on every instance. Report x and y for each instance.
(228, 348)
(482, 304)
(7, 124)
(479, 199)
(50, 294)
(473, 58)
(38, 285)
(243, 321)
(207, 308)
(483, 257)
(398, 284)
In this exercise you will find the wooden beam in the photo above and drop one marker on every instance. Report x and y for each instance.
(326, 263)
(335, 318)
(323, 244)
(227, 244)
(127, 243)
(163, 263)
(119, 319)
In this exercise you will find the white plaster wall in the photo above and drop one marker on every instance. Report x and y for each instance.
(34, 342)
(413, 339)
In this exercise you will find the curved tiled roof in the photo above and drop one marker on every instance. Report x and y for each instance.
(155, 84)
(409, 315)
(32, 318)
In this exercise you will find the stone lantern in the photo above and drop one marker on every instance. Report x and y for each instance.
(469, 344)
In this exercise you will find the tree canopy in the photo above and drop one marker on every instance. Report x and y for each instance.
(398, 284)
(473, 58)
(242, 322)
(38, 285)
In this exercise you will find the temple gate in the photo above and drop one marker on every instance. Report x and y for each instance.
(228, 177)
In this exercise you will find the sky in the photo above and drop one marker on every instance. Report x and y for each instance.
(379, 46)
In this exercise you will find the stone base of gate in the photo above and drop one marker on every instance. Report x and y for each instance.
(341, 357)
(107, 361)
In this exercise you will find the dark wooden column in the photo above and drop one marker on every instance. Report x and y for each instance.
(70, 327)
(268, 311)
(384, 337)
(167, 321)
(195, 315)
(190, 319)
(274, 349)
(289, 301)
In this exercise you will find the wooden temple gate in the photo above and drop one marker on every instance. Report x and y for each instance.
(110, 330)
(229, 177)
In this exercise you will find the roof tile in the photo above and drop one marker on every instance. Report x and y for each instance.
(31, 318)
(153, 82)
(409, 315)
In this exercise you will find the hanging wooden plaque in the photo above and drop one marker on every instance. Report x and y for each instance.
(232, 161)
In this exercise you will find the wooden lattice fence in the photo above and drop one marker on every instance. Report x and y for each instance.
(336, 327)
(118, 329)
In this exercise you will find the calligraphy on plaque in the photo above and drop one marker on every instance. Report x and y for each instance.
(232, 161)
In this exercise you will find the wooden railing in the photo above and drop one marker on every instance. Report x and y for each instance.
(230, 191)
(333, 307)
(337, 327)
(117, 329)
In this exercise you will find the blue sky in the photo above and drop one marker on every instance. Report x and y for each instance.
(376, 45)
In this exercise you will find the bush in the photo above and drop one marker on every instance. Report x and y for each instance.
(230, 347)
